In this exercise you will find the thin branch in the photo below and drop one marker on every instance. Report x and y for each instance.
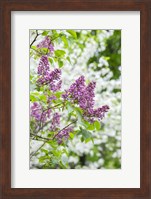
(37, 149)
(37, 51)
(47, 139)
(43, 113)
(34, 38)
(40, 137)
(52, 107)
(44, 125)
(63, 129)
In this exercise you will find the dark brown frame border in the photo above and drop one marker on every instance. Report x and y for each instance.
(6, 6)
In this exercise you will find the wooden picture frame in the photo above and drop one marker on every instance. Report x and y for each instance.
(6, 6)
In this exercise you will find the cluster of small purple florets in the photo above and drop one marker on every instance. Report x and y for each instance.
(51, 78)
(38, 113)
(42, 116)
(55, 122)
(84, 96)
(43, 66)
(46, 43)
(64, 134)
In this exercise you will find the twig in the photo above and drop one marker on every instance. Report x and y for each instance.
(52, 107)
(37, 149)
(47, 139)
(34, 38)
(64, 128)
(40, 137)
(37, 51)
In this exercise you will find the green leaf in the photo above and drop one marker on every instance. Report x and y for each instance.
(60, 53)
(65, 41)
(71, 135)
(82, 139)
(91, 127)
(34, 47)
(88, 140)
(97, 125)
(50, 60)
(56, 153)
(33, 98)
(86, 134)
(68, 58)
(43, 98)
(45, 151)
(79, 115)
(55, 34)
(60, 63)
(73, 33)
(45, 33)
(44, 50)
(53, 144)
(62, 165)
(58, 94)
(43, 158)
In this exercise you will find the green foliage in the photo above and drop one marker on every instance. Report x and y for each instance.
(73, 33)
(60, 53)
(70, 45)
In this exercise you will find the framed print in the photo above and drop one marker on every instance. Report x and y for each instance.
(75, 99)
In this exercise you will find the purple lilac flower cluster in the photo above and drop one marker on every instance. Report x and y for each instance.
(43, 66)
(51, 78)
(55, 122)
(51, 98)
(46, 43)
(38, 113)
(84, 96)
(64, 134)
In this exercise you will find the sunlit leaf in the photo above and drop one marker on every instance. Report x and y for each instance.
(60, 53)
(73, 33)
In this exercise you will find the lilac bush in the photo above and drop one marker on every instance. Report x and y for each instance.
(57, 114)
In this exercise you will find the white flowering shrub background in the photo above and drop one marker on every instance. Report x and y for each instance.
(96, 55)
